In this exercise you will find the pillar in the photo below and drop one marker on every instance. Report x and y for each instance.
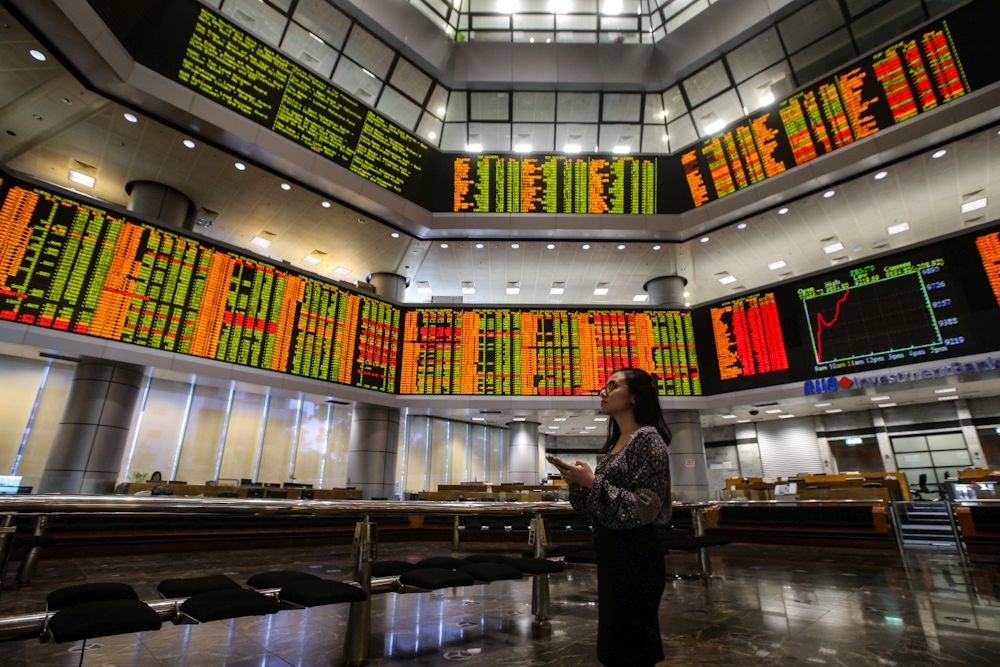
(372, 450)
(391, 286)
(90, 442)
(688, 466)
(160, 203)
(92, 436)
(522, 452)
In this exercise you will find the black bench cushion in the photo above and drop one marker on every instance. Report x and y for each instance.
(228, 603)
(311, 593)
(433, 578)
(446, 562)
(278, 578)
(69, 596)
(491, 571)
(180, 588)
(538, 565)
(102, 618)
(390, 568)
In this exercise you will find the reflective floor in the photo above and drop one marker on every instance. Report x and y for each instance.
(767, 605)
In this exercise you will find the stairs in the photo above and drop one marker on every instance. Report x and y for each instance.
(925, 525)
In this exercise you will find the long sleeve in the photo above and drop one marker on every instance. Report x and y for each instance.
(631, 488)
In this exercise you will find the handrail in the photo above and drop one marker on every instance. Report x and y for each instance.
(153, 505)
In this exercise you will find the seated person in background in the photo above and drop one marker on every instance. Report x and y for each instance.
(155, 477)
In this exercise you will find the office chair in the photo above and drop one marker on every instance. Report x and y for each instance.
(921, 487)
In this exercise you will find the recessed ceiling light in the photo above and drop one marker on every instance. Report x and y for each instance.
(947, 398)
(823, 405)
(130, 117)
(727, 280)
(946, 390)
(559, 419)
(880, 175)
(974, 204)
(188, 143)
(590, 428)
(423, 287)
(479, 246)
(325, 204)
(640, 297)
(834, 411)
(479, 419)
(286, 187)
(586, 246)
(833, 247)
(773, 411)
(551, 246)
(728, 416)
(82, 178)
(886, 405)
(898, 229)
(262, 241)
(311, 259)
(240, 166)
(572, 148)
(786, 416)
(881, 398)
(600, 291)
(941, 152)
(704, 239)
(37, 55)
(468, 287)
(742, 225)
(394, 235)
(686, 294)
(556, 291)
(829, 193)
(515, 246)
(657, 247)
(621, 149)
(473, 148)
(783, 210)
(522, 148)
(513, 288)
(601, 419)
(621, 246)
(444, 245)
(774, 266)
(342, 271)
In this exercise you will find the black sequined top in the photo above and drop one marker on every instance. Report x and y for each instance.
(631, 487)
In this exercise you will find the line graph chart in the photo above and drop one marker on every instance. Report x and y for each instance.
(872, 317)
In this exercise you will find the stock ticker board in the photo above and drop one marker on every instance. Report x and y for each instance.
(188, 43)
(70, 265)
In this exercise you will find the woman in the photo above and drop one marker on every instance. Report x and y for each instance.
(625, 498)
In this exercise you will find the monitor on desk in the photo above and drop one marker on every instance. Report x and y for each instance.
(10, 483)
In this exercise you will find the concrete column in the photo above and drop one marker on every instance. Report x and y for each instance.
(688, 466)
(391, 286)
(522, 452)
(372, 450)
(160, 203)
(87, 451)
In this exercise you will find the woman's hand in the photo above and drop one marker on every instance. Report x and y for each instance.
(575, 474)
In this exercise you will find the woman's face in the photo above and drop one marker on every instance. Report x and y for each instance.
(615, 396)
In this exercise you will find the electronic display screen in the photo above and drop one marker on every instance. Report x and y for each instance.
(73, 267)
(914, 306)
(69, 265)
(190, 44)
(551, 352)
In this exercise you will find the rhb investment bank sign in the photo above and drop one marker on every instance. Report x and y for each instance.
(828, 385)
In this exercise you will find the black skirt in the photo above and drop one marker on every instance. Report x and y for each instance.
(631, 577)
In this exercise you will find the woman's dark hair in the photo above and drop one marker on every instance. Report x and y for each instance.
(645, 392)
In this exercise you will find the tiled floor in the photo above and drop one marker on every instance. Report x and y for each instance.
(769, 605)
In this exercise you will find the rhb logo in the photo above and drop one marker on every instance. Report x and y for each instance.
(827, 385)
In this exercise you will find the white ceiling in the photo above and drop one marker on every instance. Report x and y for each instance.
(48, 119)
